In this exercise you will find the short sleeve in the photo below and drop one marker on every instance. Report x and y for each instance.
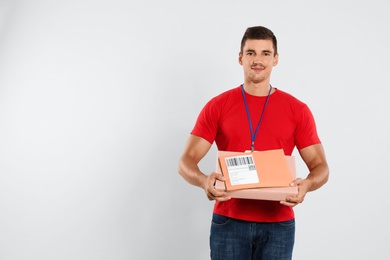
(306, 130)
(206, 125)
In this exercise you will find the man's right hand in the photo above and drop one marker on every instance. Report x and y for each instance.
(212, 193)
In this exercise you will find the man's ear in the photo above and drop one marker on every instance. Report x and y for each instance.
(240, 58)
(276, 59)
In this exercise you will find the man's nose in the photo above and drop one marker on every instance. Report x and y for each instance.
(256, 61)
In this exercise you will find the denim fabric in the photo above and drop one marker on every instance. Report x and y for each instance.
(232, 239)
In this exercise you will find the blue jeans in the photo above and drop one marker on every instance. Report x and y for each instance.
(232, 239)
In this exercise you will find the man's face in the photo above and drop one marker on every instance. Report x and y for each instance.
(257, 59)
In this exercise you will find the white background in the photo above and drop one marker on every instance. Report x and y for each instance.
(97, 99)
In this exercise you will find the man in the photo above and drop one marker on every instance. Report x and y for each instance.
(254, 116)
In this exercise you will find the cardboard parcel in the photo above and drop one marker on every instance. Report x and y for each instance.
(263, 175)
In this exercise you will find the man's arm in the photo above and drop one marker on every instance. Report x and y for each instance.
(314, 157)
(195, 149)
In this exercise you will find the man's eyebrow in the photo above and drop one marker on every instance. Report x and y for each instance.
(264, 51)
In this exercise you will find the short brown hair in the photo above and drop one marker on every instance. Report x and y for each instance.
(259, 33)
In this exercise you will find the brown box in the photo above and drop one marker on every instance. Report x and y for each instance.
(268, 193)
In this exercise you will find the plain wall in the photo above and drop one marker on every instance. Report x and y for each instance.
(97, 99)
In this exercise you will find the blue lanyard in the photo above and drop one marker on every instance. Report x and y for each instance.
(253, 135)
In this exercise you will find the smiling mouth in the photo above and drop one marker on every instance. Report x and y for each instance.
(257, 68)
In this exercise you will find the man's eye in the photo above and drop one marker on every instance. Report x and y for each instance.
(250, 53)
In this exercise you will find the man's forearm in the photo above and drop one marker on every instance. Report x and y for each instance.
(318, 176)
(190, 171)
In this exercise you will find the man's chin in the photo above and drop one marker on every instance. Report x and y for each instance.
(257, 80)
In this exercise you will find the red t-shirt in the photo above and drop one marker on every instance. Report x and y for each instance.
(287, 123)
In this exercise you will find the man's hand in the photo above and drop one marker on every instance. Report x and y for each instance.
(303, 188)
(314, 157)
(211, 192)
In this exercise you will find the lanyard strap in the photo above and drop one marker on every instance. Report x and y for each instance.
(253, 135)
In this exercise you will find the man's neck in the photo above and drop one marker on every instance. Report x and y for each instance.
(257, 89)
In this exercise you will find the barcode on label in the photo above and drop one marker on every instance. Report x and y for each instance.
(239, 160)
